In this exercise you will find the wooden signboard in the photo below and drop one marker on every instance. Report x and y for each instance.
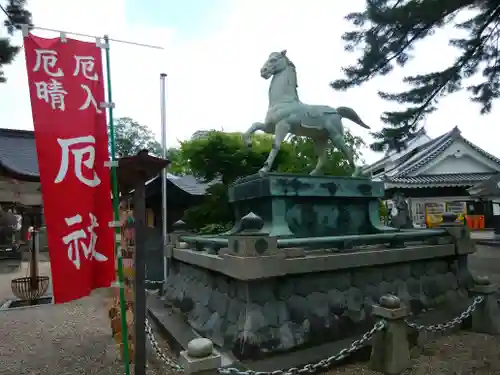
(127, 245)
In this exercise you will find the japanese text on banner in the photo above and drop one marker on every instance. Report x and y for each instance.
(66, 90)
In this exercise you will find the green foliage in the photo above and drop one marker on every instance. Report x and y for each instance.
(221, 158)
(382, 208)
(132, 137)
(303, 156)
(386, 33)
(17, 15)
(224, 157)
(179, 165)
(215, 228)
(215, 209)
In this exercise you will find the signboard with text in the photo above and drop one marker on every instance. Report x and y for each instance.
(67, 88)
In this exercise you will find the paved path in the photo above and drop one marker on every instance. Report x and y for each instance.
(486, 262)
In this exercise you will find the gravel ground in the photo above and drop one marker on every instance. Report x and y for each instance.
(68, 339)
(75, 338)
(72, 338)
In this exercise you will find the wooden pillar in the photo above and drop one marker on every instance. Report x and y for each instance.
(140, 279)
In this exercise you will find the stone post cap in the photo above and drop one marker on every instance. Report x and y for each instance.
(179, 225)
(200, 347)
(251, 222)
(200, 356)
(390, 308)
(390, 301)
(482, 280)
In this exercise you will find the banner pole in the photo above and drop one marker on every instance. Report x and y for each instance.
(163, 78)
(114, 178)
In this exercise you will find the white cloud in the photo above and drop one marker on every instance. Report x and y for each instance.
(214, 79)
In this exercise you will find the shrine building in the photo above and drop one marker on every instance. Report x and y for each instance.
(434, 175)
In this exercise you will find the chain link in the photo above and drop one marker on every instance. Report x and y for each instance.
(159, 351)
(324, 364)
(451, 323)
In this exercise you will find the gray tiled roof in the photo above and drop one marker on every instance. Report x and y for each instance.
(18, 152)
(189, 184)
(489, 187)
(427, 153)
(430, 180)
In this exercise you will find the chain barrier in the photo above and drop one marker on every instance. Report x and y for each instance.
(451, 323)
(159, 351)
(324, 364)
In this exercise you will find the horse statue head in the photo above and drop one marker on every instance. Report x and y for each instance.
(275, 63)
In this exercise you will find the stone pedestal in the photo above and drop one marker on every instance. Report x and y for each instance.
(304, 265)
(309, 206)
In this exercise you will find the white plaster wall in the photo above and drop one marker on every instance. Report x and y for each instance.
(459, 158)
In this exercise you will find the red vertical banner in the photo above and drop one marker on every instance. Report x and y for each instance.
(66, 89)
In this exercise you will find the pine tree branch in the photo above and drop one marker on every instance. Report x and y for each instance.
(389, 38)
(452, 74)
(414, 30)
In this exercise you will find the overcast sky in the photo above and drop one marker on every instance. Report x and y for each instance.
(213, 51)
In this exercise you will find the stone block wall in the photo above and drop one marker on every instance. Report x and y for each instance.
(257, 318)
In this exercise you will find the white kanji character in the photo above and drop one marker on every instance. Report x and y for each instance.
(74, 240)
(52, 92)
(86, 65)
(78, 155)
(90, 250)
(90, 99)
(47, 58)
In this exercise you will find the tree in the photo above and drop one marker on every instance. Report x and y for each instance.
(132, 137)
(304, 157)
(387, 31)
(221, 158)
(16, 15)
(178, 165)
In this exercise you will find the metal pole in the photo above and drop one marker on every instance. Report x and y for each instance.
(164, 214)
(140, 279)
(114, 177)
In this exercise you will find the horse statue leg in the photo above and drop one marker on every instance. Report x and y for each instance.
(282, 129)
(320, 147)
(338, 141)
(247, 136)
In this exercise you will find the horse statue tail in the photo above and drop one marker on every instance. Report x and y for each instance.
(350, 114)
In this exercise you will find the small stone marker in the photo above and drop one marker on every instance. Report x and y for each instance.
(485, 319)
(200, 347)
(200, 356)
(390, 347)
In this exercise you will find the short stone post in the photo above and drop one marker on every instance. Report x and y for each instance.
(486, 316)
(179, 229)
(200, 356)
(390, 347)
(249, 242)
